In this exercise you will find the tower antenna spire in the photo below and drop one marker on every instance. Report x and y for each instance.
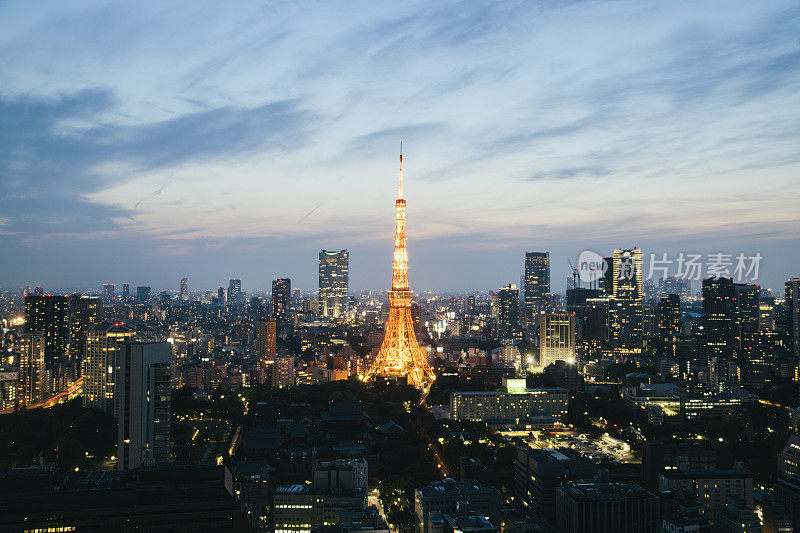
(400, 188)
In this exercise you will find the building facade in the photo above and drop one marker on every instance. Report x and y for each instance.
(104, 342)
(556, 338)
(333, 283)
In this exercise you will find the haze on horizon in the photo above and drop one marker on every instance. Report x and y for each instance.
(143, 143)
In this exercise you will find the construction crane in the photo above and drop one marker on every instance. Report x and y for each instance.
(576, 279)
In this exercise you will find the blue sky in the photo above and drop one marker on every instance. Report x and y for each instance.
(146, 142)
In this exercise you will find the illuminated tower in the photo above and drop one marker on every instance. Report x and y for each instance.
(400, 354)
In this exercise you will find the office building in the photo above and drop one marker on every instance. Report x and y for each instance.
(142, 294)
(184, 289)
(29, 352)
(142, 396)
(536, 286)
(50, 316)
(333, 283)
(603, 507)
(513, 405)
(719, 316)
(104, 342)
(126, 292)
(626, 302)
(109, 293)
(668, 320)
(235, 296)
(792, 305)
(713, 487)
(443, 497)
(282, 299)
(539, 472)
(556, 338)
(674, 285)
(508, 327)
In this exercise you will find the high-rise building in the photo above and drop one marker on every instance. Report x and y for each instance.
(109, 293)
(234, 291)
(282, 299)
(537, 284)
(748, 313)
(508, 327)
(333, 283)
(266, 345)
(606, 282)
(792, 305)
(556, 338)
(104, 342)
(669, 319)
(674, 285)
(85, 311)
(719, 316)
(49, 315)
(400, 355)
(143, 398)
(29, 349)
(142, 294)
(626, 302)
(126, 292)
(184, 289)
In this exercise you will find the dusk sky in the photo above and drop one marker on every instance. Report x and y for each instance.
(144, 142)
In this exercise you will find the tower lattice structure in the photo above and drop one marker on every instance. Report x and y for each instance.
(400, 354)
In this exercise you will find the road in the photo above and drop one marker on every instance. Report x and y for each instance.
(61, 397)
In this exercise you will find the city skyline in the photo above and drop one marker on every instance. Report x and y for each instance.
(670, 128)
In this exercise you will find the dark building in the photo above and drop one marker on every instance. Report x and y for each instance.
(444, 497)
(84, 313)
(143, 394)
(154, 500)
(50, 316)
(719, 316)
(669, 320)
(658, 457)
(792, 305)
(109, 293)
(508, 313)
(142, 294)
(607, 281)
(602, 507)
(539, 473)
(282, 299)
(748, 312)
(126, 292)
(537, 284)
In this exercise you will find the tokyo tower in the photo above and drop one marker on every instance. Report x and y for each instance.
(400, 355)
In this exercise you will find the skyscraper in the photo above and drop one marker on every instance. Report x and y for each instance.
(126, 292)
(142, 294)
(508, 327)
(266, 344)
(792, 303)
(281, 299)
(626, 302)
(748, 312)
(537, 284)
(719, 315)
(556, 338)
(29, 349)
(333, 283)
(669, 319)
(143, 404)
(84, 311)
(109, 293)
(234, 291)
(104, 341)
(184, 289)
(49, 315)
(400, 355)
